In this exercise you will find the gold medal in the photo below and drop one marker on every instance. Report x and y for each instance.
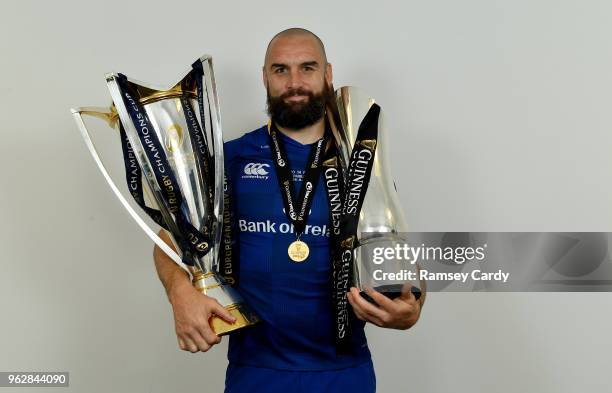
(298, 251)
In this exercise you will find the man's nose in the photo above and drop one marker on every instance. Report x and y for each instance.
(295, 80)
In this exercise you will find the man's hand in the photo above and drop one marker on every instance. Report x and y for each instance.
(192, 309)
(192, 312)
(400, 313)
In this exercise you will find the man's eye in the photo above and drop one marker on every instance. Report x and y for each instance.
(279, 70)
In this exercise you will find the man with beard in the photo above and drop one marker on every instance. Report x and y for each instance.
(292, 349)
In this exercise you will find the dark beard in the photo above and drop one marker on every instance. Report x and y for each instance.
(297, 115)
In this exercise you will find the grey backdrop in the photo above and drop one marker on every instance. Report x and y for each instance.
(500, 120)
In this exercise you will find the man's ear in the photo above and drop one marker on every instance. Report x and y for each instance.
(263, 77)
(329, 75)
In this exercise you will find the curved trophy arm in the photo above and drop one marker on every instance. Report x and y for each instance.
(108, 116)
(216, 132)
(337, 119)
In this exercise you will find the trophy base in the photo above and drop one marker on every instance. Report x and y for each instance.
(392, 291)
(244, 317)
(211, 284)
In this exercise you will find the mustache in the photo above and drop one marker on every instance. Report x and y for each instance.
(296, 92)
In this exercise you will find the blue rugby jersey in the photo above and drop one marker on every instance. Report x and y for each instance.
(293, 299)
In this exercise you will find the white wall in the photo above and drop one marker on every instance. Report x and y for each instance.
(500, 120)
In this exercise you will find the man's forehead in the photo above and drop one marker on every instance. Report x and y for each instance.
(294, 49)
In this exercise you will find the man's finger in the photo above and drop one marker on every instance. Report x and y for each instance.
(349, 297)
(205, 330)
(383, 301)
(222, 313)
(208, 334)
(190, 345)
(370, 310)
(356, 309)
(364, 316)
(359, 316)
(200, 340)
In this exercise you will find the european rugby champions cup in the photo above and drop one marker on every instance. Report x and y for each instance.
(371, 215)
(173, 158)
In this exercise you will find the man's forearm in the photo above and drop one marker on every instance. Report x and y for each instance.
(192, 310)
(170, 274)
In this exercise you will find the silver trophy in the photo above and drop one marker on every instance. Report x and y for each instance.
(381, 221)
(173, 152)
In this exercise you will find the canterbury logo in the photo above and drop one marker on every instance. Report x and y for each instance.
(256, 169)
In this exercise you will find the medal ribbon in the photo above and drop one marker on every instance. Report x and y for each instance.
(296, 210)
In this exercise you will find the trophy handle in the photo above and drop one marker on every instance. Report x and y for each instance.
(111, 117)
(217, 136)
